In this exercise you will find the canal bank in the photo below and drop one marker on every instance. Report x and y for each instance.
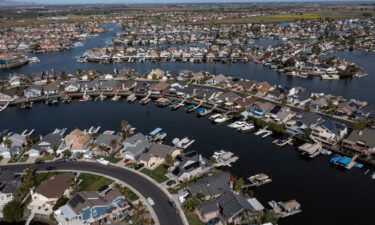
(321, 188)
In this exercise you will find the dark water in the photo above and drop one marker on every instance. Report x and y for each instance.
(328, 195)
(360, 88)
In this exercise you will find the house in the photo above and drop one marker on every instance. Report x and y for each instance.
(108, 85)
(156, 155)
(262, 88)
(276, 94)
(52, 88)
(72, 87)
(156, 74)
(77, 141)
(89, 86)
(227, 99)
(5, 98)
(211, 186)
(9, 182)
(126, 85)
(158, 88)
(258, 109)
(5, 152)
(300, 123)
(280, 114)
(246, 85)
(228, 208)
(15, 80)
(45, 196)
(135, 145)
(90, 207)
(301, 98)
(187, 166)
(349, 108)
(218, 79)
(329, 132)
(49, 143)
(106, 144)
(244, 102)
(33, 91)
(362, 141)
(198, 77)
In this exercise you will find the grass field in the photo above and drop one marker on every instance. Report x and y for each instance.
(40, 177)
(92, 182)
(283, 18)
(112, 159)
(193, 219)
(157, 174)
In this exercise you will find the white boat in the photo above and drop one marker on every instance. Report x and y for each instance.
(34, 59)
(373, 176)
(247, 127)
(85, 98)
(237, 124)
(215, 116)
(221, 119)
(115, 98)
(131, 98)
(183, 143)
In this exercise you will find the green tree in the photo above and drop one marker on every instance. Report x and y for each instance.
(212, 160)
(190, 204)
(238, 184)
(13, 211)
(67, 153)
(8, 143)
(169, 160)
(270, 217)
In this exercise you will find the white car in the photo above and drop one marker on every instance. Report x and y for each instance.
(103, 161)
(150, 201)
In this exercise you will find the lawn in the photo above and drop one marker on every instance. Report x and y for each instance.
(40, 177)
(193, 219)
(157, 174)
(91, 182)
(46, 157)
(112, 159)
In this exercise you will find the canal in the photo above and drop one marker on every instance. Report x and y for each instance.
(328, 195)
(359, 88)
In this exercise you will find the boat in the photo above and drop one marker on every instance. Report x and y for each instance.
(67, 99)
(221, 119)
(268, 133)
(247, 127)
(259, 179)
(4, 106)
(157, 134)
(26, 105)
(373, 176)
(189, 108)
(85, 98)
(131, 98)
(237, 124)
(52, 101)
(183, 143)
(145, 100)
(115, 98)
(34, 59)
(215, 116)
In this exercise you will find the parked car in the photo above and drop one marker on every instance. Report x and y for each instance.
(139, 166)
(213, 221)
(150, 201)
(172, 203)
(51, 168)
(126, 160)
(102, 188)
(171, 182)
(39, 161)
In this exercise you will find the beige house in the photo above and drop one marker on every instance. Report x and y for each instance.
(44, 197)
(77, 140)
(157, 154)
(156, 74)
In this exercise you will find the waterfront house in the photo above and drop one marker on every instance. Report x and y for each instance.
(227, 99)
(33, 91)
(126, 85)
(217, 80)
(156, 74)
(211, 186)
(141, 88)
(18, 143)
(49, 143)
(90, 207)
(52, 88)
(276, 94)
(15, 80)
(205, 94)
(135, 145)
(301, 98)
(158, 88)
(108, 85)
(5, 152)
(76, 141)
(157, 154)
(300, 123)
(329, 131)
(349, 108)
(244, 102)
(9, 182)
(45, 196)
(262, 88)
(11, 93)
(246, 85)
(228, 208)
(280, 114)
(187, 166)
(258, 109)
(5, 98)
(89, 86)
(197, 77)
(362, 141)
(72, 87)
(106, 144)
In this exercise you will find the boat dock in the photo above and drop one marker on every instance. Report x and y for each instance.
(224, 158)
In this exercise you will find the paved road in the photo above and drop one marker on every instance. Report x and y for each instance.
(166, 214)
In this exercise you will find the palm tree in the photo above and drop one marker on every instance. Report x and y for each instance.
(124, 124)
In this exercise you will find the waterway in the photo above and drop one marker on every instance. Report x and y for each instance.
(359, 88)
(328, 195)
